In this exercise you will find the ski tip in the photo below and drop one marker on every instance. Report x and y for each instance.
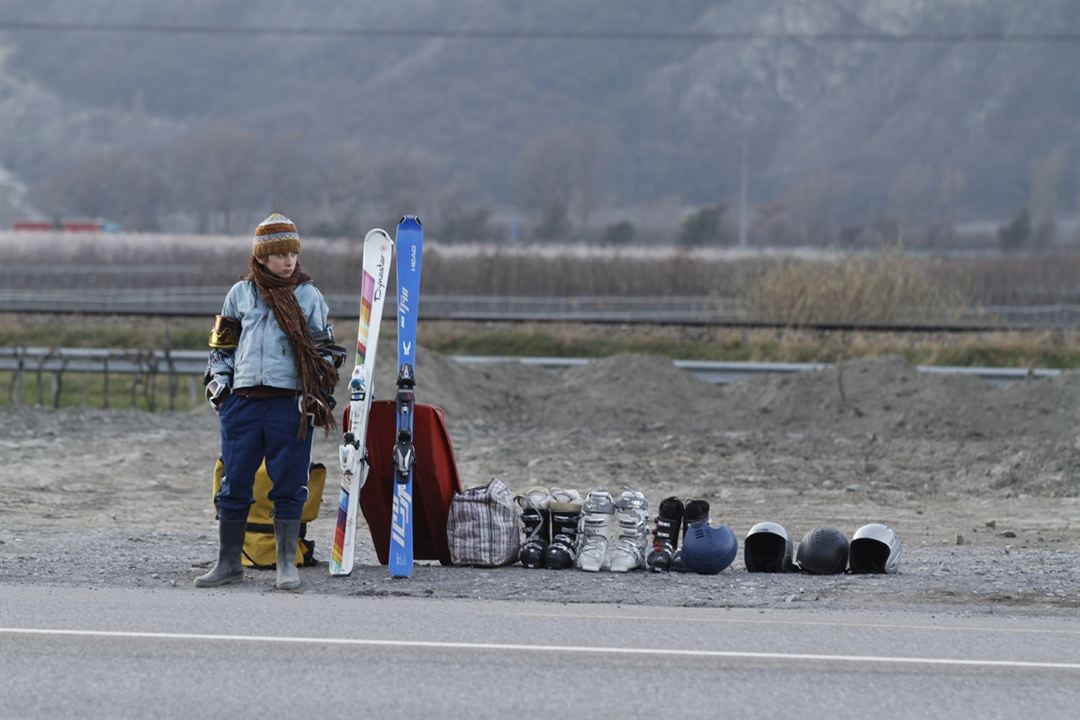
(377, 232)
(410, 219)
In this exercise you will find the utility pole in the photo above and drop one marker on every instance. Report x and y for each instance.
(744, 220)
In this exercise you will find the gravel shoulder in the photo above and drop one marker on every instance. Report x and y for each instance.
(979, 481)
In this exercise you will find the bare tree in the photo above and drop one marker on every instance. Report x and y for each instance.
(953, 184)
(909, 196)
(405, 181)
(189, 172)
(815, 204)
(112, 184)
(557, 178)
(216, 172)
(234, 153)
(344, 186)
(1047, 185)
(141, 193)
(285, 170)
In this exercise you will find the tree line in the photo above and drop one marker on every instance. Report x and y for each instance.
(222, 179)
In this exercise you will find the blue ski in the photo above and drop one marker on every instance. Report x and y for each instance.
(410, 248)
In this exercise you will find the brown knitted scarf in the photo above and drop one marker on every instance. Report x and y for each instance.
(316, 374)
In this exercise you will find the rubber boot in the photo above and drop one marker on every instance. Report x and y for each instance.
(229, 568)
(666, 536)
(287, 534)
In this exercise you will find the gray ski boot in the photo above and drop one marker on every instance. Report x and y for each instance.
(632, 541)
(287, 534)
(229, 568)
(598, 515)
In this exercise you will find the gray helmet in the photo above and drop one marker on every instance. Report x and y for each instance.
(823, 551)
(875, 548)
(768, 549)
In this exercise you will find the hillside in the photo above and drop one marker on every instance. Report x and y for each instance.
(931, 128)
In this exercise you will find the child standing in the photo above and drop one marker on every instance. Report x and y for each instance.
(270, 376)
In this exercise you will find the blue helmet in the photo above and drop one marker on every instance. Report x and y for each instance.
(708, 550)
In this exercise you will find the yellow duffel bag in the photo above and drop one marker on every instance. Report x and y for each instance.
(259, 548)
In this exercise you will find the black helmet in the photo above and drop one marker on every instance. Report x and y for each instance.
(823, 551)
(767, 549)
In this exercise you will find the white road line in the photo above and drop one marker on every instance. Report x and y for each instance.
(730, 654)
(822, 623)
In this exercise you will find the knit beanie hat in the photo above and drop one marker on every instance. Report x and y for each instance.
(275, 234)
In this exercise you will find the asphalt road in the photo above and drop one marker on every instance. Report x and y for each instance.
(117, 653)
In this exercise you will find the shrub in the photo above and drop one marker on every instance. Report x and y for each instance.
(884, 288)
(1017, 233)
(620, 233)
(706, 227)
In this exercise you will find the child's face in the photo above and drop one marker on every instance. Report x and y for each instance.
(281, 264)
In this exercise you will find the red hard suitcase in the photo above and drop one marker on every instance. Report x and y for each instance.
(435, 480)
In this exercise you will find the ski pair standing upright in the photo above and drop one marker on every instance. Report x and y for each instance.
(378, 251)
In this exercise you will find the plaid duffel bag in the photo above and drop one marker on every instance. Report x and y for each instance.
(483, 526)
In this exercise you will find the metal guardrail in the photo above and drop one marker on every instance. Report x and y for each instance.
(146, 365)
(193, 362)
(722, 373)
(49, 366)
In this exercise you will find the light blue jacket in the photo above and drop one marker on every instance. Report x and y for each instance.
(263, 355)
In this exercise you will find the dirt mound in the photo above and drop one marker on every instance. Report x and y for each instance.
(633, 392)
(884, 396)
(488, 393)
(889, 396)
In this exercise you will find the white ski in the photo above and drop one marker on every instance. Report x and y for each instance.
(378, 251)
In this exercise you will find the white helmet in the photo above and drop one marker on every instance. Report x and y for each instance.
(768, 549)
(875, 548)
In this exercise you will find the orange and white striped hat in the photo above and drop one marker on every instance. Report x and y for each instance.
(275, 234)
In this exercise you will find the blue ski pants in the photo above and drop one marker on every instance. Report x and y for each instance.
(254, 428)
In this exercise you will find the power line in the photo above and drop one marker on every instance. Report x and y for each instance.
(572, 35)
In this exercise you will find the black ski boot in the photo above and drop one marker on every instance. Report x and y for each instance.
(287, 535)
(666, 536)
(229, 568)
(536, 519)
(562, 552)
(695, 511)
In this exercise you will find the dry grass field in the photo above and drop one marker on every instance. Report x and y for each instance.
(887, 278)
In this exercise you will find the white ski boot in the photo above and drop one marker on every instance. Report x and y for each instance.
(632, 542)
(595, 536)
